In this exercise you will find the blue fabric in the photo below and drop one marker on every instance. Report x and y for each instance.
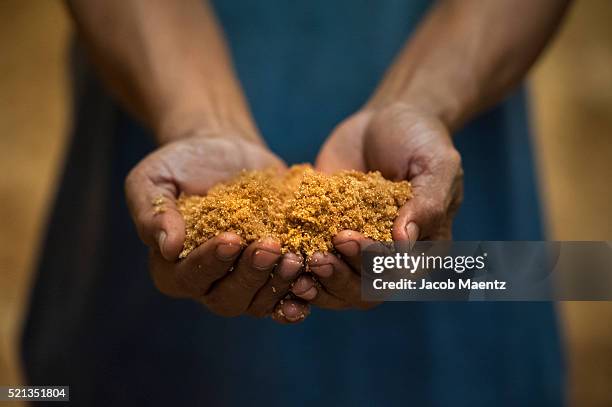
(304, 66)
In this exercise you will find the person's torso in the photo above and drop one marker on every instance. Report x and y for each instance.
(304, 67)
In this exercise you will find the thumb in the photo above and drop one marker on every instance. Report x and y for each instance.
(436, 195)
(419, 218)
(153, 209)
(405, 145)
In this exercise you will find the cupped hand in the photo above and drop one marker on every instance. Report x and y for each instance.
(334, 280)
(403, 143)
(221, 273)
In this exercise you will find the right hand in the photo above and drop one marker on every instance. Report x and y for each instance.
(226, 278)
(403, 143)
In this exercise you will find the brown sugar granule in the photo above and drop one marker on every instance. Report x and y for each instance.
(158, 205)
(248, 205)
(301, 208)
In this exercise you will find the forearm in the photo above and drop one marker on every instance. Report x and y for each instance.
(167, 62)
(467, 54)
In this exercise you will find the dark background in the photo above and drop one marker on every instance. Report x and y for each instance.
(572, 121)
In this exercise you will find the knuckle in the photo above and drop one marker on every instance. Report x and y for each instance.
(454, 157)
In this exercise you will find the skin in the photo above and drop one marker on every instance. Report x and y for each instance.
(167, 62)
(402, 143)
(222, 274)
(466, 56)
(169, 65)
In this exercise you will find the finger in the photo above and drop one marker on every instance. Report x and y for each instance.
(446, 230)
(422, 153)
(336, 277)
(277, 286)
(153, 209)
(291, 311)
(305, 287)
(435, 193)
(320, 297)
(350, 244)
(233, 294)
(162, 274)
(193, 276)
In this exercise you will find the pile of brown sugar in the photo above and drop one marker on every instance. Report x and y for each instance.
(301, 208)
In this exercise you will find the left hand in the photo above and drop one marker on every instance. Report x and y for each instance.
(403, 143)
(222, 274)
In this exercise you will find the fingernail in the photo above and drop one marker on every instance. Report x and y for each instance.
(226, 252)
(161, 240)
(317, 257)
(324, 270)
(292, 311)
(263, 259)
(302, 285)
(412, 231)
(310, 294)
(350, 248)
(289, 268)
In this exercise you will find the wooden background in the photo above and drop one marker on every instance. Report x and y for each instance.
(572, 106)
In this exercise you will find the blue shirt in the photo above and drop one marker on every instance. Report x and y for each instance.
(99, 325)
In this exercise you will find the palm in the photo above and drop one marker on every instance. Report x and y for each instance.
(194, 165)
(343, 149)
(403, 144)
(396, 142)
(221, 273)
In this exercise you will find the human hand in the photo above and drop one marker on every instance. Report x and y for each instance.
(402, 143)
(227, 278)
(335, 281)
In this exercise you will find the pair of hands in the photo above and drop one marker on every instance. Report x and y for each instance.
(401, 142)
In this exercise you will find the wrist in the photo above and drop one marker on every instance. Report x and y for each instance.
(218, 110)
(178, 126)
(442, 103)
